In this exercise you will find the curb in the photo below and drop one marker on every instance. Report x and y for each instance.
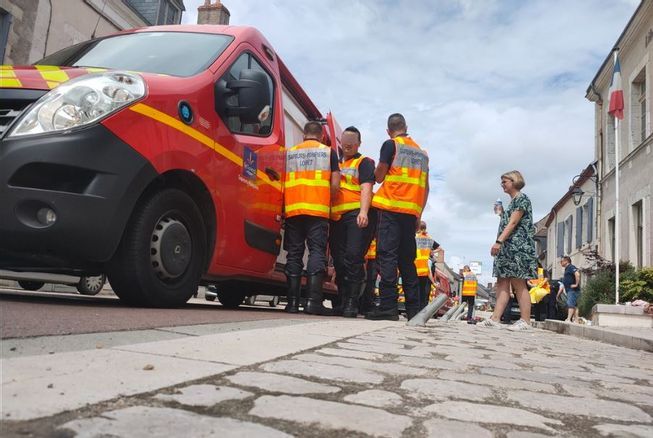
(597, 334)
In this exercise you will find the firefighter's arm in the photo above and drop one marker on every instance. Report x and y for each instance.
(366, 201)
(381, 171)
(335, 183)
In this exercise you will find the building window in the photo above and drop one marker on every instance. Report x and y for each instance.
(611, 238)
(609, 160)
(588, 213)
(567, 234)
(580, 222)
(638, 233)
(169, 14)
(638, 109)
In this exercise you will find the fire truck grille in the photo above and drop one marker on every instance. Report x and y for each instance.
(6, 117)
(13, 101)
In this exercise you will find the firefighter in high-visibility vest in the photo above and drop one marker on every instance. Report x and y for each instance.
(352, 221)
(470, 285)
(403, 174)
(425, 244)
(312, 178)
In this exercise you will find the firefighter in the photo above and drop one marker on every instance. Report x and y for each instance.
(470, 284)
(312, 179)
(425, 244)
(353, 220)
(403, 172)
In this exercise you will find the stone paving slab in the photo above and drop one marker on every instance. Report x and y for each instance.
(143, 421)
(332, 415)
(204, 395)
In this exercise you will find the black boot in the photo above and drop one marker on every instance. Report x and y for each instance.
(294, 293)
(339, 302)
(314, 304)
(383, 315)
(350, 309)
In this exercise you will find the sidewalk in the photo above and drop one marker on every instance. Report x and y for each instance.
(325, 378)
(630, 337)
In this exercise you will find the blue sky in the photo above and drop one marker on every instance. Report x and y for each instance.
(486, 86)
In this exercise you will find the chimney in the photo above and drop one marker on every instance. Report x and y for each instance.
(212, 13)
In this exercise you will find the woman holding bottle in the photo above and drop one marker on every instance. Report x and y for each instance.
(514, 251)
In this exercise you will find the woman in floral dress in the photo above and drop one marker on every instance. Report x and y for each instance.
(514, 251)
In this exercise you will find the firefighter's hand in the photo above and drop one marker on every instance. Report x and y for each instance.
(362, 220)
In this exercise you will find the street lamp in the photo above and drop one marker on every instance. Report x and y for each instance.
(576, 192)
(577, 195)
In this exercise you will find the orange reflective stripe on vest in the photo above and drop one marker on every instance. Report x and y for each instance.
(424, 244)
(348, 197)
(371, 251)
(404, 187)
(308, 180)
(470, 284)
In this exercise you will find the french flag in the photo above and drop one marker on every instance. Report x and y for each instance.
(616, 108)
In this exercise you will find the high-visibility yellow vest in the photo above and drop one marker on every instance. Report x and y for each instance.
(404, 188)
(470, 284)
(371, 251)
(348, 197)
(308, 180)
(424, 244)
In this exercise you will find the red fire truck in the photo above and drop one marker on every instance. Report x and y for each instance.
(155, 156)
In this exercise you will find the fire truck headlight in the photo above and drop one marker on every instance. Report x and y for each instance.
(81, 101)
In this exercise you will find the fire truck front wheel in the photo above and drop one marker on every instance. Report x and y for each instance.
(160, 259)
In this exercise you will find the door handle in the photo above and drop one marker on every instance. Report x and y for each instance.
(272, 174)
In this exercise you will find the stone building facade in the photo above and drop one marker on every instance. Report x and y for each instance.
(635, 143)
(32, 29)
(213, 13)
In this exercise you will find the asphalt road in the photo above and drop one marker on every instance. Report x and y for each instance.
(27, 314)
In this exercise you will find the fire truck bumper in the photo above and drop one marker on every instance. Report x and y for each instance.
(65, 198)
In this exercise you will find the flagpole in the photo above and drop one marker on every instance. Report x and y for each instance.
(617, 254)
(616, 212)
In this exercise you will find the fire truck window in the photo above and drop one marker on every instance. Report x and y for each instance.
(264, 127)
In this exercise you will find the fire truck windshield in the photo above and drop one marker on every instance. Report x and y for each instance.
(170, 53)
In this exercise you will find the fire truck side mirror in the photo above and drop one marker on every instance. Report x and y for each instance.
(245, 98)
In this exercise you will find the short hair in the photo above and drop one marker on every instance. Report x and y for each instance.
(354, 130)
(567, 259)
(516, 177)
(422, 225)
(396, 123)
(466, 268)
(313, 129)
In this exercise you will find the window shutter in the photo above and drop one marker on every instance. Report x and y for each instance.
(560, 250)
(579, 227)
(570, 227)
(590, 219)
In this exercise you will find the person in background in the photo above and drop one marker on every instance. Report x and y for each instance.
(514, 252)
(468, 293)
(425, 245)
(367, 301)
(571, 282)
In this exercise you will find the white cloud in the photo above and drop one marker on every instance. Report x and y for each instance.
(486, 86)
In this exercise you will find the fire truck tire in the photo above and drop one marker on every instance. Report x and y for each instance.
(160, 259)
(31, 285)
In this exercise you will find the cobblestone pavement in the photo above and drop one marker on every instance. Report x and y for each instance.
(447, 379)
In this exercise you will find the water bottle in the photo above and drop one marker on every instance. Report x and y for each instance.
(498, 207)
